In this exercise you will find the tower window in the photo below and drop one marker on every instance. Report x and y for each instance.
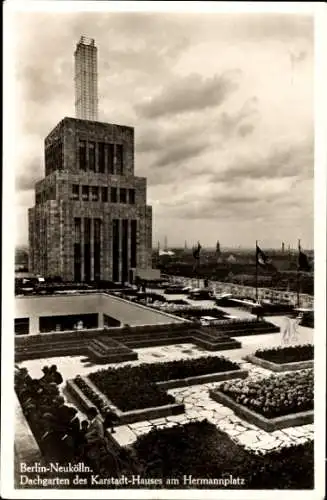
(82, 155)
(131, 196)
(91, 146)
(85, 193)
(113, 195)
(101, 158)
(119, 159)
(75, 192)
(104, 194)
(110, 155)
(122, 196)
(77, 223)
(94, 193)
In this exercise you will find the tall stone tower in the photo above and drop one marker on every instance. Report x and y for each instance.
(86, 80)
(90, 221)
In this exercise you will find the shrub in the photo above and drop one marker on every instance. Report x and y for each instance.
(201, 450)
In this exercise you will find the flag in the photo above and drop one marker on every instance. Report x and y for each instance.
(196, 251)
(196, 255)
(261, 257)
(303, 262)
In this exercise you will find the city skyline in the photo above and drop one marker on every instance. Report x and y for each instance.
(225, 142)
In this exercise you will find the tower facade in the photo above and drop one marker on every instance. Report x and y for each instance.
(90, 221)
(86, 80)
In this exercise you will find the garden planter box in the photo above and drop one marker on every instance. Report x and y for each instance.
(267, 424)
(126, 417)
(216, 345)
(203, 379)
(279, 367)
(78, 395)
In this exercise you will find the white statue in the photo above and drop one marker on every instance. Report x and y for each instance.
(286, 331)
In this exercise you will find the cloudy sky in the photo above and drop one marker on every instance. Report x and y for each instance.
(222, 106)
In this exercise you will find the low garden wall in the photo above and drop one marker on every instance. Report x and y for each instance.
(26, 448)
(279, 367)
(203, 379)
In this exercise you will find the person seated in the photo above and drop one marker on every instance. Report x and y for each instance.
(55, 376)
(95, 431)
(50, 392)
(63, 413)
(46, 374)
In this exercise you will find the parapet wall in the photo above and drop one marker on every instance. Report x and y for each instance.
(219, 287)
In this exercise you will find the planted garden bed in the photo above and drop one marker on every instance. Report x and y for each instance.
(134, 387)
(289, 354)
(271, 403)
(200, 450)
(284, 358)
(133, 391)
(87, 394)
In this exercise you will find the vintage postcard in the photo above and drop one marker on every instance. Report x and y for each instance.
(164, 253)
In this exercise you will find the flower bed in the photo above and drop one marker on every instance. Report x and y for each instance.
(273, 396)
(128, 395)
(134, 387)
(87, 394)
(291, 354)
(200, 450)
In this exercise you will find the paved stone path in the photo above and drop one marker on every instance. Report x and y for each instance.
(198, 404)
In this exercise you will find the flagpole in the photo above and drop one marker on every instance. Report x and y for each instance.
(256, 270)
(298, 276)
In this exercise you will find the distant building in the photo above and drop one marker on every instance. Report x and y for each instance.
(90, 221)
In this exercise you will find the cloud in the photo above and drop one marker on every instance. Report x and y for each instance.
(235, 204)
(231, 123)
(245, 129)
(191, 93)
(281, 161)
(25, 180)
(180, 153)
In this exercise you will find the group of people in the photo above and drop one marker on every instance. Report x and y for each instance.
(55, 425)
